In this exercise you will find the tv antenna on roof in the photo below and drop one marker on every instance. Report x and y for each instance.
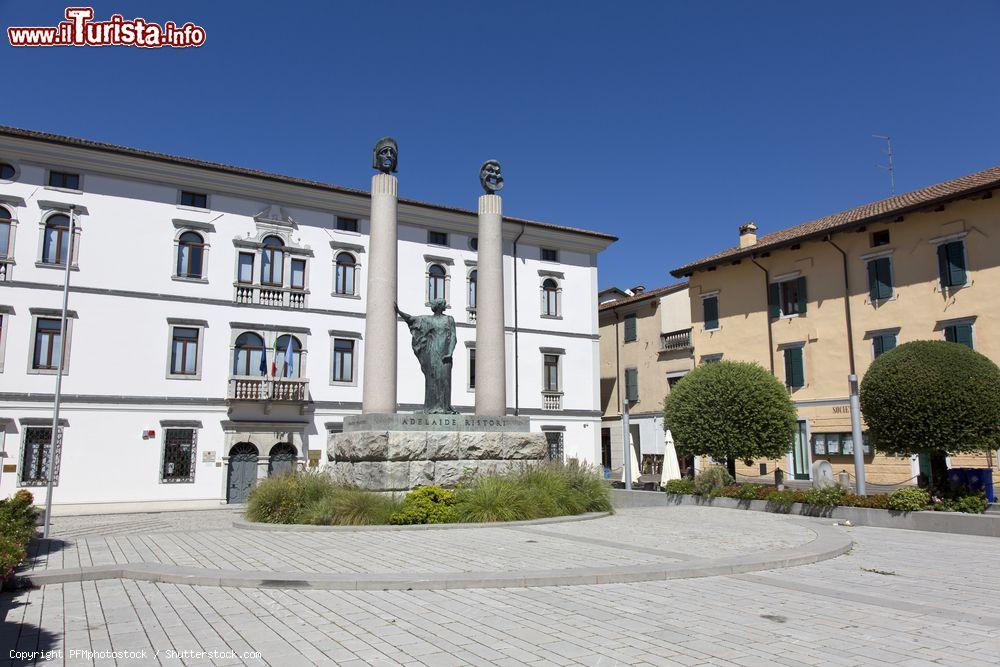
(888, 167)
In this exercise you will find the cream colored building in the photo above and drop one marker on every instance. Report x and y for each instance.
(816, 302)
(645, 349)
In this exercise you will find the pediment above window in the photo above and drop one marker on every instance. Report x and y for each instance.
(275, 216)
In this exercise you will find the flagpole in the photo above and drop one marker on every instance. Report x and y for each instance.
(59, 374)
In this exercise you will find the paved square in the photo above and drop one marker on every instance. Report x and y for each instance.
(900, 598)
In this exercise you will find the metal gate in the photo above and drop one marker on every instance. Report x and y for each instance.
(242, 472)
(282, 459)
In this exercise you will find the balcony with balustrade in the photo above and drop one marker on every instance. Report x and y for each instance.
(552, 400)
(274, 296)
(6, 263)
(675, 340)
(291, 391)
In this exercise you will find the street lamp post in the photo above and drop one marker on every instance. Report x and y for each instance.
(857, 436)
(59, 373)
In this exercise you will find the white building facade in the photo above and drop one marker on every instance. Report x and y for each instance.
(216, 330)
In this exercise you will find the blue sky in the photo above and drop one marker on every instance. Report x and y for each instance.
(666, 123)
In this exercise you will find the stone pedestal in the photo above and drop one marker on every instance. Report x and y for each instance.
(401, 452)
(379, 380)
(491, 363)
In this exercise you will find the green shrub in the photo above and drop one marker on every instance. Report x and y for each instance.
(973, 503)
(730, 410)
(426, 504)
(909, 499)
(283, 498)
(346, 506)
(878, 502)
(679, 486)
(783, 497)
(17, 527)
(932, 397)
(492, 498)
(747, 492)
(589, 485)
(826, 497)
(711, 481)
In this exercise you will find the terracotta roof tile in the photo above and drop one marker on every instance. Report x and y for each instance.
(904, 203)
(648, 294)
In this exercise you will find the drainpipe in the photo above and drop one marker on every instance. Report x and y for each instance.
(852, 383)
(770, 334)
(517, 382)
(847, 304)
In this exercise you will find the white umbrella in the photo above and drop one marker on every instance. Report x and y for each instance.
(633, 460)
(670, 468)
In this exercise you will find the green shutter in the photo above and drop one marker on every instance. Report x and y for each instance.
(873, 283)
(773, 307)
(883, 343)
(963, 334)
(956, 263)
(879, 279)
(801, 285)
(630, 334)
(942, 252)
(632, 384)
(951, 264)
(794, 371)
(711, 308)
(950, 334)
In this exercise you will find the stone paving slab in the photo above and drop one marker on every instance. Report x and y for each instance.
(486, 549)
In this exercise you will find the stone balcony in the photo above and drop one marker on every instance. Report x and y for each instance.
(269, 390)
(5, 264)
(675, 340)
(264, 295)
(552, 400)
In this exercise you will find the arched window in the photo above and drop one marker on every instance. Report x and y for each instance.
(272, 260)
(550, 298)
(346, 273)
(436, 276)
(248, 357)
(190, 255)
(473, 280)
(288, 360)
(55, 243)
(5, 222)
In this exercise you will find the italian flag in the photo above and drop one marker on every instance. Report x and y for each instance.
(274, 359)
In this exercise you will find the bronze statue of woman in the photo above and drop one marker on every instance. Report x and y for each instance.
(433, 341)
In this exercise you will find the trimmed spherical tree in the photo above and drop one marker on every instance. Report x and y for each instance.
(932, 397)
(730, 410)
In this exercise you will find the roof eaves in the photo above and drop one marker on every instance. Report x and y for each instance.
(64, 140)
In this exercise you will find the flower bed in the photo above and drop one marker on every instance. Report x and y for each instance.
(909, 499)
(533, 493)
(17, 527)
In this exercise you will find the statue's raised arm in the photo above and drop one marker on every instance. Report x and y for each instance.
(406, 318)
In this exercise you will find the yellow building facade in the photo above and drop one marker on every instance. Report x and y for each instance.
(645, 348)
(817, 302)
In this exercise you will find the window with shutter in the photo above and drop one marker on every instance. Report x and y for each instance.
(951, 264)
(787, 298)
(794, 370)
(710, 305)
(879, 279)
(883, 343)
(630, 328)
(959, 333)
(632, 384)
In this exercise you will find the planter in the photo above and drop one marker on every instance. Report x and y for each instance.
(985, 525)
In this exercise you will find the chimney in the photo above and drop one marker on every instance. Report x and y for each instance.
(748, 235)
(638, 289)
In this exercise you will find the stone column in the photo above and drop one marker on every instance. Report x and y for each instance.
(491, 360)
(379, 393)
